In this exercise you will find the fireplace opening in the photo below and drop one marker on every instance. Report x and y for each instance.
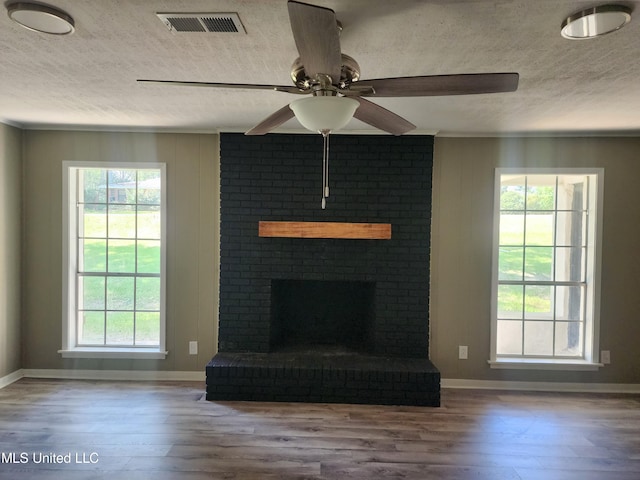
(322, 316)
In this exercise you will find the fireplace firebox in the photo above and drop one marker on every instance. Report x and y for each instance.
(322, 316)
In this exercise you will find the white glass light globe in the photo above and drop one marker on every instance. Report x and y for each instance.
(324, 113)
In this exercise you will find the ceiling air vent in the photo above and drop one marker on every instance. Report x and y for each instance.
(202, 22)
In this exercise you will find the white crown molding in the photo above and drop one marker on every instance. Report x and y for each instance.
(189, 130)
(11, 123)
(114, 129)
(632, 133)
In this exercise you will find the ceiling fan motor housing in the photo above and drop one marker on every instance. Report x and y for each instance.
(349, 73)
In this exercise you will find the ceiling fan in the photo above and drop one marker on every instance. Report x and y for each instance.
(322, 70)
(337, 93)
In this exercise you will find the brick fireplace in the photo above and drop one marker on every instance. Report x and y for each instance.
(325, 319)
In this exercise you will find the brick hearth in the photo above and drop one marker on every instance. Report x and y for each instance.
(314, 377)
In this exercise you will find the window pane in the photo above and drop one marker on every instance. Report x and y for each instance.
(510, 301)
(148, 293)
(93, 256)
(149, 256)
(512, 192)
(510, 263)
(91, 293)
(570, 303)
(509, 340)
(120, 328)
(93, 183)
(120, 293)
(537, 302)
(149, 187)
(93, 221)
(538, 263)
(122, 186)
(541, 192)
(122, 256)
(570, 264)
(122, 221)
(147, 328)
(538, 338)
(91, 328)
(539, 229)
(511, 229)
(149, 222)
(568, 339)
(571, 229)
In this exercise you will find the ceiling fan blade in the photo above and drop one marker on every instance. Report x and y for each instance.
(315, 30)
(380, 117)
(248, 86)
(272, 121)
(431, 85)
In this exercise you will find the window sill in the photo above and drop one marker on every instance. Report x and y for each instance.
(125, 353)
(543, 364)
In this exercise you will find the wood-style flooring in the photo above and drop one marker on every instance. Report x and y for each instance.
(147, 430)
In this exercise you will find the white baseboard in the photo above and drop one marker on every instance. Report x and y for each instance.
(541, 386)
(12, 377)
(171, 376)
(137, 375)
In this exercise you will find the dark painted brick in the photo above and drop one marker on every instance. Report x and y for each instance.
(374, 178)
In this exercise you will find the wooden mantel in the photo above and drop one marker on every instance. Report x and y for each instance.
(366, 231)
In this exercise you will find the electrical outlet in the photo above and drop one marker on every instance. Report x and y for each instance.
(463, 352)
(193, 348)
(605, 357)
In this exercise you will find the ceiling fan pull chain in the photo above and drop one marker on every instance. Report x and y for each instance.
(325, 167)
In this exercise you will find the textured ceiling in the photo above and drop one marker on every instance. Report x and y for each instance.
(88, 80)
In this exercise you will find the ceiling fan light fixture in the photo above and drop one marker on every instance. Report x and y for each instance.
(41, 18)
(324, 113)
(595, 22)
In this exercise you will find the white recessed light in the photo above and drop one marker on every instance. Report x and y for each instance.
(41, 18)
(596, 21)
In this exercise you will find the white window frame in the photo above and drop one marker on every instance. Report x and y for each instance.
(590, 360)
(70, 349)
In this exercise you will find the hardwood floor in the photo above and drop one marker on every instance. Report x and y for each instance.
(168, 431)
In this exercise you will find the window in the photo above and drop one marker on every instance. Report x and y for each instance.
(114, 260)
(545, 271)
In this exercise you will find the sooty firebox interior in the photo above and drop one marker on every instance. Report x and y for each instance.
(322, 316)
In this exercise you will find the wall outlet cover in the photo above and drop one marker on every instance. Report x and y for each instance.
(463, 352)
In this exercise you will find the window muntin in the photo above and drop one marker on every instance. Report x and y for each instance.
(544, 282)
(115, 257)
